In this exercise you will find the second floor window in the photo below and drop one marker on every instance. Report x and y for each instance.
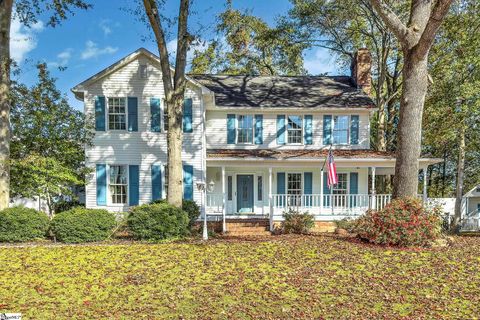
(117, 116)
(341, 126)
(245, 129)
(294, 129)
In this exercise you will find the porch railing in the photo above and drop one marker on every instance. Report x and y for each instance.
(215, 202)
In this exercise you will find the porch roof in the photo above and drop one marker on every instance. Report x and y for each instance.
(357, 156)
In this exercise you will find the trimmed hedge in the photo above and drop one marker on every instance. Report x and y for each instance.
(79, 225)
(20, 224)
(157, 221)
(403, 222)
(190, 207)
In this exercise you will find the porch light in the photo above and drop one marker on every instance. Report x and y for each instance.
(211, 186)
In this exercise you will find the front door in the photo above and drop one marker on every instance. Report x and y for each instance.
(245, 193)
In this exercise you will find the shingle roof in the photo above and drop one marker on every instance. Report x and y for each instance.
(284, 92)
(297, 154)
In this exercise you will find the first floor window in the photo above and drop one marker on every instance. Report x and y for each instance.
(260, 188)
(229, 188)
(118, 184)
(340, 129)
(117, 117)
(341, 188)
(294, 189)
(245, 129)
(294, 129)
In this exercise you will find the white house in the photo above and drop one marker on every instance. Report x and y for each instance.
(257, 143)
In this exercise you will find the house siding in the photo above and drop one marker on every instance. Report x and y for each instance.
(216, 123)
(144, 147)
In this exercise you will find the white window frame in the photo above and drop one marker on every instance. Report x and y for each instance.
(298, 200)
(109, 193)
(287, 130)
(237, 128)
(348, 129)
(140, 69)
(347, 184)
(108, 113)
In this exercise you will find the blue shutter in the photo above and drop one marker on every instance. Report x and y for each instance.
(327, 130)
(187, 182)
(133, 185)
(307, 122)
(326, 190)
(156, 182)
(187, 116)
(155, 115)
(281, 188)
(231, 129)
(280, 129)
(307, 187)
(132, 114)
(100, 113)
(354, 127)
(258, 129)
(101, 184)
(353, 188)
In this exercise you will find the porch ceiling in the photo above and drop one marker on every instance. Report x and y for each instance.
(343, 158)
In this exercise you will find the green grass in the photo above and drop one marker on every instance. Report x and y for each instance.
(312, 277)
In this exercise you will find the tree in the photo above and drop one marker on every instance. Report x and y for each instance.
(455, 70)
(246, 44)
(343, 27)
(174, 86)
(27, 12)
(416, 39)
(48, 141)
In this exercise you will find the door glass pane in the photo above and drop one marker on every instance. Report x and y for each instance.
(229, 188)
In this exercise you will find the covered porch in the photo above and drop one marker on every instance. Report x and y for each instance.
(265, 187)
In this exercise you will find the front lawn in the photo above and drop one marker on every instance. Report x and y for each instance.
(284, 277)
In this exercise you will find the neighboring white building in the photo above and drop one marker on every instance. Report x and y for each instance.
(258, 143)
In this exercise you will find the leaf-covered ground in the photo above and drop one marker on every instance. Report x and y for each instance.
(285, 277)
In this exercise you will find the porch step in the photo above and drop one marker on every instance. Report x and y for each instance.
(250, 227)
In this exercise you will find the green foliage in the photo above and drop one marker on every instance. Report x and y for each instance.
(65, 205)
(404, 222)
(296, 222)
(249, 45)
(345, 223)
(19, 224)
(157, 221)
(80, 225)
(190, 207)
(49, 137)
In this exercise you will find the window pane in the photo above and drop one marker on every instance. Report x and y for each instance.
(118, 184)
(260, 188)
(340, 130)
(245, 129)
(117, 118)
(294, 189)
(294, 129)
(229, 187)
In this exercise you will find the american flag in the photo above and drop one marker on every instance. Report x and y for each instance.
(332, 178)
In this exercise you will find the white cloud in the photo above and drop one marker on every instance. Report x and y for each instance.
(320, 61)
(105, 26)
(62, 58)
(92, 50)
(198, 45)
(23, 39)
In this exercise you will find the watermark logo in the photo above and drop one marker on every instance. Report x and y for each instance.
(10, 316)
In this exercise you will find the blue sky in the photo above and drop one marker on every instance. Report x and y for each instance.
(92, 40)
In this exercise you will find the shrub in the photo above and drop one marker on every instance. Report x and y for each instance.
(190, 207)
(403, 222)
(346, 224)
(19, 224)
(296, 222)
(157, 221)
(83, 225)
(64, 205)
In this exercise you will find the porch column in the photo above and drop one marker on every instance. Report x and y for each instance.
(224, 200)
(270, 204)
(425, 185)
(321, 191)
(374, 200)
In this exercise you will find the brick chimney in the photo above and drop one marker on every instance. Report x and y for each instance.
(361, 69)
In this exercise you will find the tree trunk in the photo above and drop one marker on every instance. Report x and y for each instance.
(5, 20)
(460, 174)
(175, 139)
(409, 134)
